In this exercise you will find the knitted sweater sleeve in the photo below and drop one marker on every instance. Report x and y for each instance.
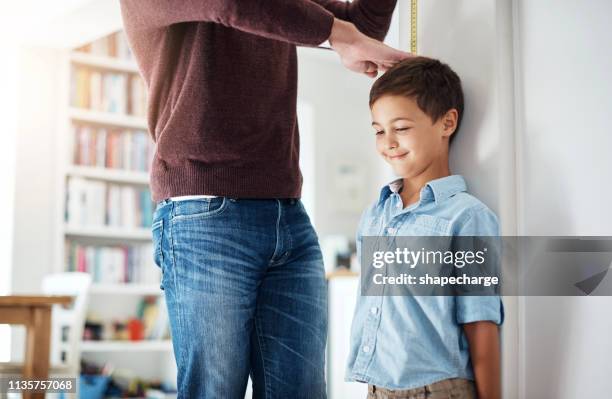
(302, 22)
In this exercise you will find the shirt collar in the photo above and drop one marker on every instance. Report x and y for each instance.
(437, 189)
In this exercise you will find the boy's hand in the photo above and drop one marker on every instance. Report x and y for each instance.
(360, 53)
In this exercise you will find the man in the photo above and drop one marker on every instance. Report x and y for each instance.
(242, 269)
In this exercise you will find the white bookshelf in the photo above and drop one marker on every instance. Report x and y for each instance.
(110, 301)
(110, 175)
(106, 118)
(125, 289)
(103, 232)
(103, 62)
(127, 346)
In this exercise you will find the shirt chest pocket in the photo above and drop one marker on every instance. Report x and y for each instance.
(426, 225)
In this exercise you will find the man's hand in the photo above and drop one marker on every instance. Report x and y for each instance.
(360, 53)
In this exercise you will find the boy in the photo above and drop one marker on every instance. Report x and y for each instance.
(424, 346)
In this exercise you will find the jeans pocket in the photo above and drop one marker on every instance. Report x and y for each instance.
(199, 208)
(157, 232)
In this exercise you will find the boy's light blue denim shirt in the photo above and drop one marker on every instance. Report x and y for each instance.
(404, 342)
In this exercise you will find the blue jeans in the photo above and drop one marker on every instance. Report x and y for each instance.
(246, 294)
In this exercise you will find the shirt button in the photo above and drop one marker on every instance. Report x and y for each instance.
(399, 205)
(391, 230)
(374, 310)
(366, 349)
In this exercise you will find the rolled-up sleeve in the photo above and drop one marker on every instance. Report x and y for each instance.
(480, 308)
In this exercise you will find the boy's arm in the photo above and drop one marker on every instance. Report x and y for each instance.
(483, 339)
(482, 315)
(371, 17)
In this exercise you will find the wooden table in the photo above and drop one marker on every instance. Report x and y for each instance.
(35, 313)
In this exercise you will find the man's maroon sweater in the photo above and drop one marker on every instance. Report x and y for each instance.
(222, 87)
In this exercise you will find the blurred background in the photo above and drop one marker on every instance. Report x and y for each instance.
(533, 146)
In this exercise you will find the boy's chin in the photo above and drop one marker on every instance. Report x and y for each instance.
(403, 173)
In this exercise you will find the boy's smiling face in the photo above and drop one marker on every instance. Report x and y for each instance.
(407, 138)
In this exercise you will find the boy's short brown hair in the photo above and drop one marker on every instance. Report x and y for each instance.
(434, 86)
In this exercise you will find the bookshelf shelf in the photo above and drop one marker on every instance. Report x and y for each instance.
(126, 346)
(138, 234)
(126, 289)
(111, 175)
(106, 118)
(102, 62)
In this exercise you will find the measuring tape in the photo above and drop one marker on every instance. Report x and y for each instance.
(413, 26)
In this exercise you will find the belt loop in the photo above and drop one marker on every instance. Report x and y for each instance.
(173, 204)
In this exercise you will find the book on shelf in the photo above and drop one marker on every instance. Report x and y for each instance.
(113, 264)
(154, 314)
(137, 96)
(114, 45)
(112, 148)
(105, 91)
(93, 203)
(99, 91)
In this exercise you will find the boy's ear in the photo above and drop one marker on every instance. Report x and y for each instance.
(449, 122)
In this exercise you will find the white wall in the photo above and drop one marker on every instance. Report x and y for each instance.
(33, 217)
(29, 113)
(35, 173)
(8, 110)
(563, 63)
(475, 38)
(58, 24)
(341, 124)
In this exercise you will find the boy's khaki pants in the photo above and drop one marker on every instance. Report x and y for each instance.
(453, 388)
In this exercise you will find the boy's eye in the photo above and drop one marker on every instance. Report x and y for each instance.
(402, 129)
(378, 132)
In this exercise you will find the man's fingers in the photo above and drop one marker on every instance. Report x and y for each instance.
(371, 69)
(384, 66)
(398, 55)
(369, 66)
(390, 58)
(394, 58)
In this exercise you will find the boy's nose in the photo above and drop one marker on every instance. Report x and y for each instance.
(392, 144)
(390, 141)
